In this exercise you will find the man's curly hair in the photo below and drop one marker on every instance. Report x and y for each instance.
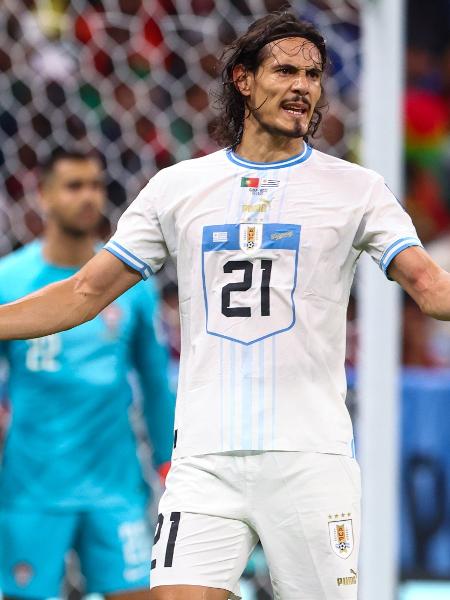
(248, 51)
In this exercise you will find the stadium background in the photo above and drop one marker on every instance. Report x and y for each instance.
(133, 79)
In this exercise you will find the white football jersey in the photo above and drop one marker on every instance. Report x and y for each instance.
(266, 254)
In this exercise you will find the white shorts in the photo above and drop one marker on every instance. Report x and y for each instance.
(304, 508)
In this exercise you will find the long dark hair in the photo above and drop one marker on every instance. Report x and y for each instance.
(247, 51)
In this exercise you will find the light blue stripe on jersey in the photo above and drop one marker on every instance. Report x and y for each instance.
(234, 202)
(274, 391)
(278, 236)
(395, 249)
(232, 394)
(246, 398)
(281, 164)
(262, 377)
(222, 398)
(129, 258)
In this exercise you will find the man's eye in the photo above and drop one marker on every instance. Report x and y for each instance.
(74, 185)
(284, 71)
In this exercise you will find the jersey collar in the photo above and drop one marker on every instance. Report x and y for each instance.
(281, 164)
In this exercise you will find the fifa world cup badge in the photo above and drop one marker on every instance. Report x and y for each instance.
(341, 534)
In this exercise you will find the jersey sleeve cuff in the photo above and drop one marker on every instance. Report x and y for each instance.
(391, 252)
(129, 258)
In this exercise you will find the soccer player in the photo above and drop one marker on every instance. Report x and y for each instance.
(266, 234)
(70, 477)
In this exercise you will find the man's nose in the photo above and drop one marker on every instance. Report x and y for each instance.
(300, 83)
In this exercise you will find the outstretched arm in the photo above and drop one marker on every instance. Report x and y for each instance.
(424, 280)
(68, 303)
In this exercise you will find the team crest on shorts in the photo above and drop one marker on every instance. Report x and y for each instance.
(23, 573)
(250, 237)
(341, 535)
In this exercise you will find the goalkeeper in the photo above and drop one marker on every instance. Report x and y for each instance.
(70, 477)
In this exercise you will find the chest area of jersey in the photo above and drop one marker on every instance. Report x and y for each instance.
(253, 253)
(249, 275)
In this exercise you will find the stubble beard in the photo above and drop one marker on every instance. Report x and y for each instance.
(295, 133)
(77, 232)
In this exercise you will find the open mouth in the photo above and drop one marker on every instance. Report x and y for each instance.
(297, 110)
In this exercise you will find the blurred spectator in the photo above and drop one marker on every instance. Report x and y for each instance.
(427, 117)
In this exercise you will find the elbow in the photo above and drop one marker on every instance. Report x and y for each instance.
(87, 307)
(433, 300)
(427, 307)
(421, 287)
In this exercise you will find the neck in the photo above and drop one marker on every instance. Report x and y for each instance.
(258, 145)
(65, 250)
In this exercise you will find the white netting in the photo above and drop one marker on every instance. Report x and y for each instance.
(131, 78)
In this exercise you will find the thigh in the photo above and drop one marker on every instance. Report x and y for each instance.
(309, 525)
(188, 592)
(201, 551)
(32, 551)
(114, 546)
(129, 595)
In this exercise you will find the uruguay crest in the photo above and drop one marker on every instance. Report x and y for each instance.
(250, 237)
(341, 537)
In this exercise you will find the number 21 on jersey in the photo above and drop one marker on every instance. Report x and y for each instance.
(249, 276)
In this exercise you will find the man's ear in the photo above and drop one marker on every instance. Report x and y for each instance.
(241, 80)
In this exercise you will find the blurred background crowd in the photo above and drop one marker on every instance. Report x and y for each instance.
(135, 80)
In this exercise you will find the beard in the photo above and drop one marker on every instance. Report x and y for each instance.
(74, 230)
(297, 131)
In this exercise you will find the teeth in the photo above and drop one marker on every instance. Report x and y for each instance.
(296, 111)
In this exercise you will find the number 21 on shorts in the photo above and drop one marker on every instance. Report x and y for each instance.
(173, 532)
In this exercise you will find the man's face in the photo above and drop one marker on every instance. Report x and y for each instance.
(73, 195)
(285, 88)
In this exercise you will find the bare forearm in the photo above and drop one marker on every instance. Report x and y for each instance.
(68, 303)
(424, 280)
(435, 301)
(53, 308)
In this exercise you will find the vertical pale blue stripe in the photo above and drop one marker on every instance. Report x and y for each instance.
(235, 185)
(232, 394)
(246, 398)
(222, 398)
(261, 408)
(285, 183)
(274, 390)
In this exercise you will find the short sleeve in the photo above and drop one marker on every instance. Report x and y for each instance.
(386, 228)
(138, 240)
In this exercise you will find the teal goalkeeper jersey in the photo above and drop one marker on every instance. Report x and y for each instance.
(70, 444)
